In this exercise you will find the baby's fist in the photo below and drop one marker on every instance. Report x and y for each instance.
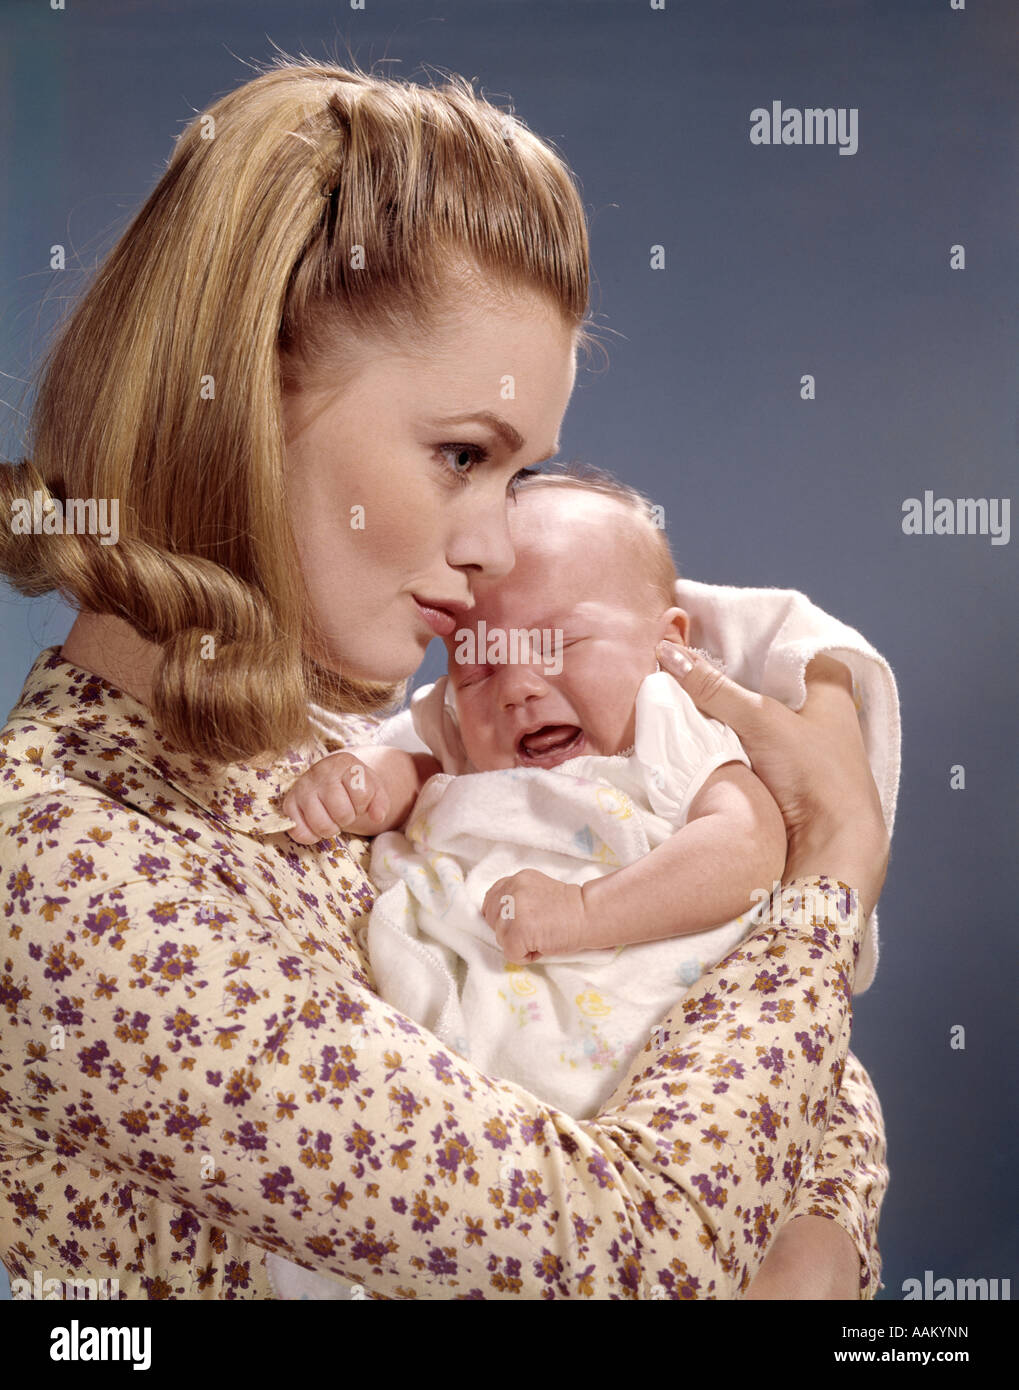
(336, 794)
(533, 915)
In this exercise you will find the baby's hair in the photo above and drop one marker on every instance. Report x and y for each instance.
(312, 203)
(650, 537)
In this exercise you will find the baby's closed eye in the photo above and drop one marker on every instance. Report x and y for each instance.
(471, 675)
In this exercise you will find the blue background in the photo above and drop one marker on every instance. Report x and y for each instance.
(779, 261)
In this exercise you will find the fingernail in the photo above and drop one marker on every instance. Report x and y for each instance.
(674, 657)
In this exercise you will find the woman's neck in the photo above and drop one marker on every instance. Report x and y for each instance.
(111, 648)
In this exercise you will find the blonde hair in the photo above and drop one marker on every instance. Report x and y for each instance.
(237, 271)
(649, 537)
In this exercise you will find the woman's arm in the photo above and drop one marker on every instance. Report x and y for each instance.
(813, 762)
(828, 1246)
(311, 1118)
(796, 754)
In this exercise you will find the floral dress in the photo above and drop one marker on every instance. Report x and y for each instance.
(195, 1068)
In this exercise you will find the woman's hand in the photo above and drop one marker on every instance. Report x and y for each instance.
(813, 763)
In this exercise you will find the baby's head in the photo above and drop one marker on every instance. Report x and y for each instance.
(548, 663)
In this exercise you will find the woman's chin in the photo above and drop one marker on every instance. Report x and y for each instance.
(388, 668)
(374, 663)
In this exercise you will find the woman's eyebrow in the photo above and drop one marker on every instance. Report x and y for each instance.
(512, 438)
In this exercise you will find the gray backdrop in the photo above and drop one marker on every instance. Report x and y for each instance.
(780, 261)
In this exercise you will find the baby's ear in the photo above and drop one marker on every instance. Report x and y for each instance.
(675, 626)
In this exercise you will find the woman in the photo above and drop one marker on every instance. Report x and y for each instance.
(309, 372)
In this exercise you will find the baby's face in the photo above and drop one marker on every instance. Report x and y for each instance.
(570, 689)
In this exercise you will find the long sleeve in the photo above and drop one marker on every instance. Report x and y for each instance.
(850, 1175)
(245, 1077)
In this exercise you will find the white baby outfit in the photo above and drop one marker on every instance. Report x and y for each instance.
(566, 1027)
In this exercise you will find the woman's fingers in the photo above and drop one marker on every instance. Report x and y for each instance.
(800, 756)
(777, 740)
(714, 693)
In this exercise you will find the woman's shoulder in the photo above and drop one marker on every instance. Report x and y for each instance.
(73, 739)
(86, 839)
(108, 842)
(91, 795)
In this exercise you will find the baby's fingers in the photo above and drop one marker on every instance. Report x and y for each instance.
(368, 798)
(511, 938)
(301, 832)
(319, 817)
(490, 908)
(360, 784)
(378, 808)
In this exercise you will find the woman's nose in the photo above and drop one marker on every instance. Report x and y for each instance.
(483, 542)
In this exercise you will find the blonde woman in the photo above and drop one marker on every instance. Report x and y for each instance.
(308, 374)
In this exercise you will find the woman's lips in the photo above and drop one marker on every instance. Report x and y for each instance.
(554, 744)
(440, 620)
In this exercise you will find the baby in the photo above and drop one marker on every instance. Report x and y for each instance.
(561, 799)
(555, 669)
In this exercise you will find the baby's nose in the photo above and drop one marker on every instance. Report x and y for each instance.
(519, 682)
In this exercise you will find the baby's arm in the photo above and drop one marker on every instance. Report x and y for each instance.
(362, 792)
(732, 846)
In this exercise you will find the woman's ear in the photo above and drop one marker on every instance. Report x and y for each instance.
(675, 626)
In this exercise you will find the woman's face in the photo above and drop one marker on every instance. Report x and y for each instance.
(398, 482)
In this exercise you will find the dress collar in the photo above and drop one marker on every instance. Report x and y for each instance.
(106, 733)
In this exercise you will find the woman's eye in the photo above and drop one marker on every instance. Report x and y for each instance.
(463, 457)
(518, 477)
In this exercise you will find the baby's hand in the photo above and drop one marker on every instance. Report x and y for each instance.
(338, 793)
(533, 915)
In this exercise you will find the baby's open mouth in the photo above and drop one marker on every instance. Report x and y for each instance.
(549, 745)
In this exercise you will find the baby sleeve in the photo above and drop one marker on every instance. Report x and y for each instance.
(676, 747)
(429, 725)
